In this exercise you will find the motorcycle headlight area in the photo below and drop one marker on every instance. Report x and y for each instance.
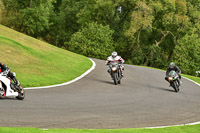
(170, 78)
(114, 68)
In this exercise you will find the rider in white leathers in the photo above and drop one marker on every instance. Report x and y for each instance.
(115, 57)
(4, 68)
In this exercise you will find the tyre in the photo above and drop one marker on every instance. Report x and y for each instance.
(176, 88)
(2, 93)
(21, 94)
(115, 78)
(119, 82)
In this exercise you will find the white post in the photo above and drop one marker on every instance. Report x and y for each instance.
(197, 73)
(119, 9)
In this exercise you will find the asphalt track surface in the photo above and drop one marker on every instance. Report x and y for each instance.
(144, 99)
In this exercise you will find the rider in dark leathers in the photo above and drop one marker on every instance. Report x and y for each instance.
(4, 68)
(174, 67)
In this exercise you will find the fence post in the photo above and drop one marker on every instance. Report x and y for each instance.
(197, 73)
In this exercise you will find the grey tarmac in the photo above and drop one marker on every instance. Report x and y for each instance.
(143, 99)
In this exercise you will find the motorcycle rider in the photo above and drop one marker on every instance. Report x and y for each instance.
(174, 67)
(5, 69)
(115, 57)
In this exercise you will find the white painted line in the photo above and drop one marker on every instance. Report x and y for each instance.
(192, 81)
(45, 129)
(173, 125)
(74, 80)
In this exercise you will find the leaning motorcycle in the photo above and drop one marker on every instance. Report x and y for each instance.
(174, 80)
(9, 89)
(115, 72)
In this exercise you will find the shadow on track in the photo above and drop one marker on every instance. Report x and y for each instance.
(103, 81)
(11, 98)
(164, 89)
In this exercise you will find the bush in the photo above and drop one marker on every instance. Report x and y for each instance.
(187, 53)
(94, 40)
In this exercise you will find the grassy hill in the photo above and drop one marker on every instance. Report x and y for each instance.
(37, 63)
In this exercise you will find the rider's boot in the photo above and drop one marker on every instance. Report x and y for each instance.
(170, 85)
(122, 74)
(109, 71)
(18, 88)
(122, 70)
(17, 84)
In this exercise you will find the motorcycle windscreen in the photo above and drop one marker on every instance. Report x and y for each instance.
(172, 73)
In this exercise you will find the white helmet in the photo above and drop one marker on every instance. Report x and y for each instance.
(114, 54)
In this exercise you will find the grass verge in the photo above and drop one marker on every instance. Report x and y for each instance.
(37, 63)
(196, 79)
(174, 129)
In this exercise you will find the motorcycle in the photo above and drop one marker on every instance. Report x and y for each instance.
(115, 72)
(174, 80)
(9, 89)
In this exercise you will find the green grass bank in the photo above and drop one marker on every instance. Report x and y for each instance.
(37, 63)
(174, 129)
(196, 79)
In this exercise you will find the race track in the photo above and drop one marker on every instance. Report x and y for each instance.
(144, 99)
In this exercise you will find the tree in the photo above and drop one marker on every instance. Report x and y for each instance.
(68, 16)
(94, 40)
(2, 8)
(187, 53)
(30, 17)
(141, 20)
(35, 20)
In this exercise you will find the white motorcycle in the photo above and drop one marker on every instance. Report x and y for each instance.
(8, 89)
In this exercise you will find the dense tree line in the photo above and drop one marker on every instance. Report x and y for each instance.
(144, 32)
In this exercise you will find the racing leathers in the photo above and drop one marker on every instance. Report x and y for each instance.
(118, 59)
(176, 69)
(5, 69)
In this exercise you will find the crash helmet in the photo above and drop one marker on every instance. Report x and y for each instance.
(114, 54)
(172, 65)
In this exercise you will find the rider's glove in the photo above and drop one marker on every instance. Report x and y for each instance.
(8, 70)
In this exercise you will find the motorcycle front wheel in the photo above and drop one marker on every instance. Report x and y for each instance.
(21, 94)
(115, 78)
(2, 93)
(176, 87)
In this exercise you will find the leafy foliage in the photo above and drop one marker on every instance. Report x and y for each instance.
(187, 53)
(145, 32)
(94, 40)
